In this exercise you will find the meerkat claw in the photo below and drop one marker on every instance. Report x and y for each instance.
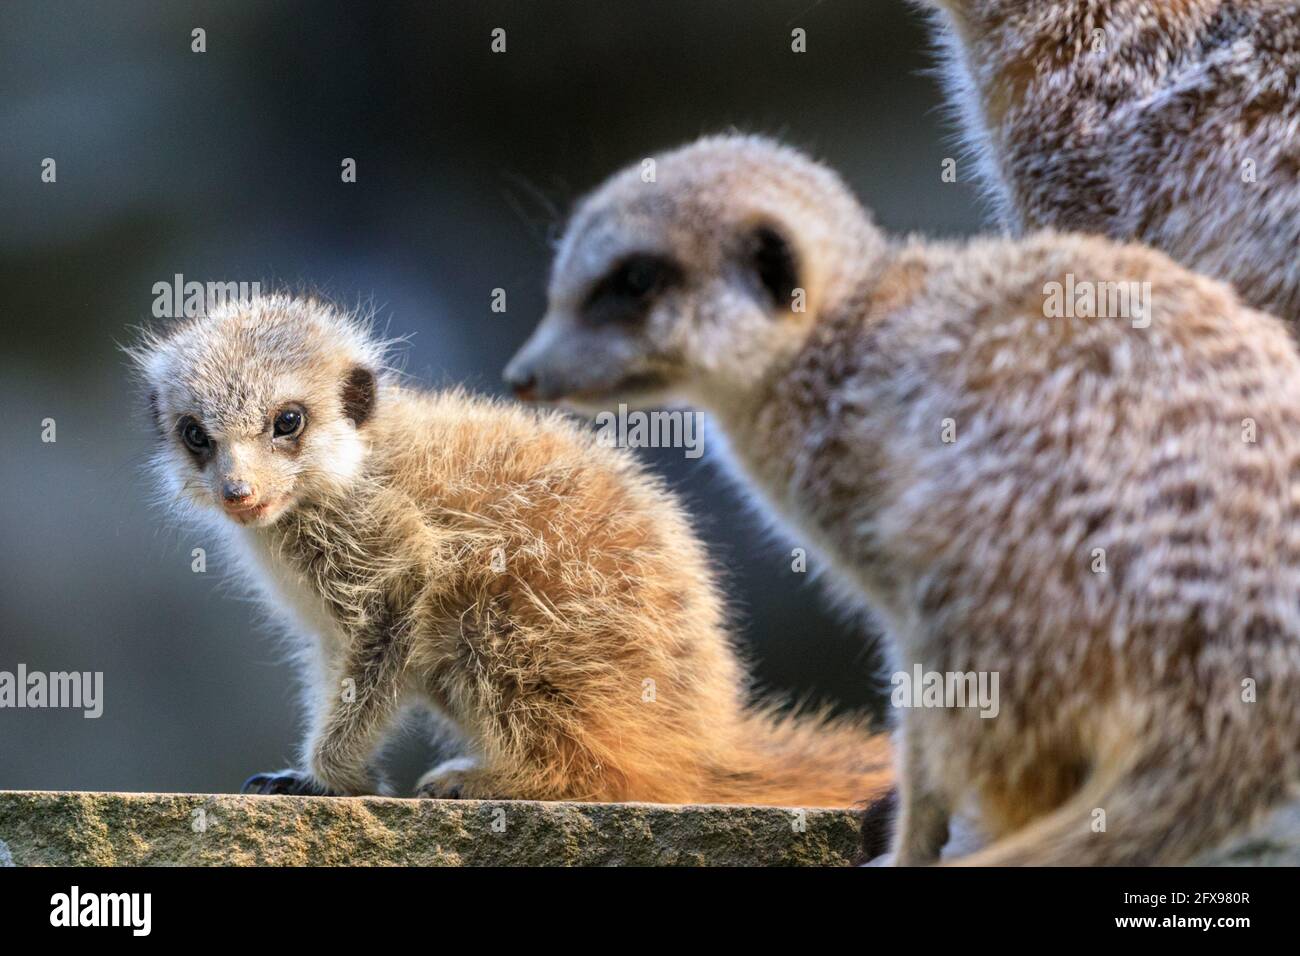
(254, 783)
(431, 793)
(447, 781)
(284, 782)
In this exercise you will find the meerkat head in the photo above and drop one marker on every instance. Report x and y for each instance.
(689, 272)
(260, 405)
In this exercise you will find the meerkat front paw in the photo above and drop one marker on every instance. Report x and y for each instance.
(457, 779)
(286, 782)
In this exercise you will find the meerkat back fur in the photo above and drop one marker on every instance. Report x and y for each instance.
(542, 593)
(1101, 511)
(1170, 123)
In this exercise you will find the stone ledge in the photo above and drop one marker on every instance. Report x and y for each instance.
(147, 829)
(159, 829)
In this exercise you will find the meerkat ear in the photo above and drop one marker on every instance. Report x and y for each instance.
(773, 261)
(359, 395)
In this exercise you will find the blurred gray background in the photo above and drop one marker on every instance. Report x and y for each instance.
(225, 165)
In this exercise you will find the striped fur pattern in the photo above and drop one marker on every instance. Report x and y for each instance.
(1175, 123)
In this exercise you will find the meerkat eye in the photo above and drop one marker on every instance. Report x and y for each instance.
(289, 422)
(194, 436)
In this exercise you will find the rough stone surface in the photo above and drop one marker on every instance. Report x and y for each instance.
(65, 828)
(115, 829)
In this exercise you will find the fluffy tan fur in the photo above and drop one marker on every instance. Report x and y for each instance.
(1173, 447)
(1170, 122)
(544, 594)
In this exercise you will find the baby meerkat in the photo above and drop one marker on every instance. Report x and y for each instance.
(542, 593)
(1170, 123)
(1102, 513)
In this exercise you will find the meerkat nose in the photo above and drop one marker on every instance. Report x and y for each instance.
(522, 382)
(236, 491)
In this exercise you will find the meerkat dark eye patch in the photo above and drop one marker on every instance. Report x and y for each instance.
(630, 287)
(774, 264)
(359, 395)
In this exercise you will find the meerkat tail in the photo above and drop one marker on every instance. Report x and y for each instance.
(804, 760)
(1145, 808)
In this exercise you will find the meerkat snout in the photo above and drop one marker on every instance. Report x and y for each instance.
(520, 374)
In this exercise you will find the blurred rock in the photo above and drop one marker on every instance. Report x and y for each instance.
(116, 829)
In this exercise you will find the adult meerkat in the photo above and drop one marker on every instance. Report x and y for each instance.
(544, 594)
(1172, 123)
(1104, 512)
